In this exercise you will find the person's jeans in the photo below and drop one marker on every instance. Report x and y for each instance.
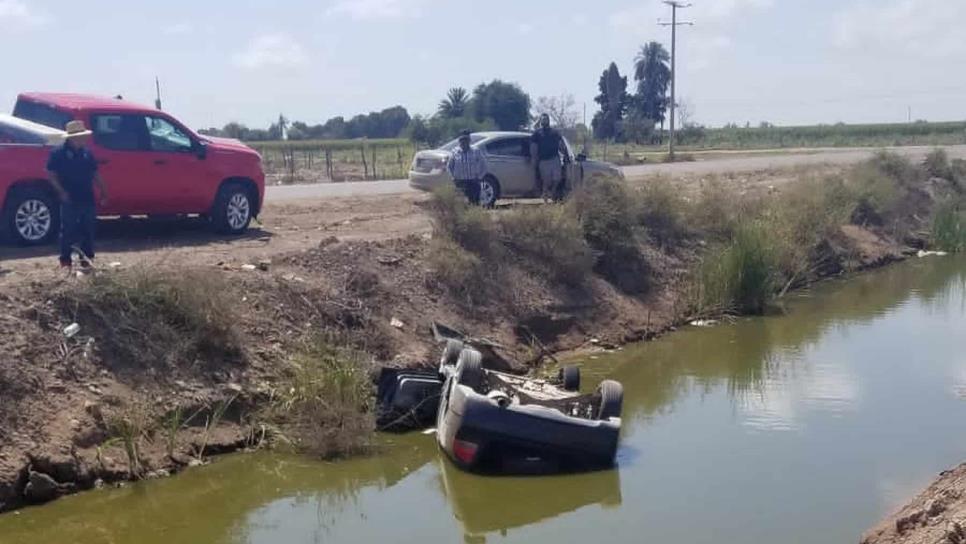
(76, 230)
(471, 188)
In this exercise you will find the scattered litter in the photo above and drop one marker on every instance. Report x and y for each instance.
(922, 254)
(249, 267)
(115, 264)
(595, 341)
(71, 330)
(704, 323)
(429, 431)
(395, 322)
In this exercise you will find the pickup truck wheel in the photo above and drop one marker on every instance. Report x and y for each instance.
(451, 353)
(232, 212)
(570, 378)
(471, 369)
(32, 217)
(611, 399)
(489, 192)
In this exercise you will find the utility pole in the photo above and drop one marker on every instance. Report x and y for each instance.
(674, 24)
(157, 87)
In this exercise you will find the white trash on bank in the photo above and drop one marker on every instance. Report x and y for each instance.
(704, 323)
(71, 330)
(923, 253)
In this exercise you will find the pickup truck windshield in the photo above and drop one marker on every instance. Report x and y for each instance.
(41, 114)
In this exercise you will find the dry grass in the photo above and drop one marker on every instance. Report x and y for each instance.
(549, 240)
(147, 317)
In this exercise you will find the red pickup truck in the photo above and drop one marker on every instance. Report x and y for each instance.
(151, 164)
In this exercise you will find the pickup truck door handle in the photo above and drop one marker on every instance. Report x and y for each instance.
(160, 162)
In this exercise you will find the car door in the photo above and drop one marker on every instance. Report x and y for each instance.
(508, 160)
(120, 147)
(179, 171)
(573, 168)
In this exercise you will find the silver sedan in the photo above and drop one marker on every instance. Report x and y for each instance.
(510, 172)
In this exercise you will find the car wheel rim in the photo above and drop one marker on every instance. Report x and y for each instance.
(487, 193)
(33, 220)
(238, 211)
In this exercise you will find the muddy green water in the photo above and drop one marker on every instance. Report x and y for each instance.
(802, 428)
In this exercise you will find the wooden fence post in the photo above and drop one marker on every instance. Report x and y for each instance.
(365, 165)
(373, 151)
(328, 164)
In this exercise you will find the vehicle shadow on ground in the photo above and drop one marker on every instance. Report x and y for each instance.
(137, 234)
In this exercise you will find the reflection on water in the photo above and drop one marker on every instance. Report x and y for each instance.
(806, 427)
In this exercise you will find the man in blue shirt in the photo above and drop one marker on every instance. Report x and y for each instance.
(73, 173)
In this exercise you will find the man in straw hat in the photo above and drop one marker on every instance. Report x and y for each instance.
(73, 173)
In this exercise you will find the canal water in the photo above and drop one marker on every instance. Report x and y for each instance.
(806, 427)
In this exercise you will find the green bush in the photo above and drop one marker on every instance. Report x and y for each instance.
(937, 164)
(325, 405)
(469, 226)
(461, 272)
(949, 227)
(739, 276)
(662, 211)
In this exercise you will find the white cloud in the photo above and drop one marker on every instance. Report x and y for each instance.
(727, 8)
(272, 51)
(16, 12)
(524, 29)
(178, 29)
(931, 28)
(375, 9)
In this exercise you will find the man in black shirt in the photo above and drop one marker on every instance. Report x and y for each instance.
(73, 173)
(547, 146)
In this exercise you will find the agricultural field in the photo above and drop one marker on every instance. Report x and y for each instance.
(310, 161)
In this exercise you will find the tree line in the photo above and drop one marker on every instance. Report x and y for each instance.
(624, 114)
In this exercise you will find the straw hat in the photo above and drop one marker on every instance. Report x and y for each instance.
(76, 129)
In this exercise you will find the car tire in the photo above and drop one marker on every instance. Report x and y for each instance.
(31, 217)
(611, 399)
(451, 353)
(489, 192)
(232, 211)
(570, 378)
(470, 368)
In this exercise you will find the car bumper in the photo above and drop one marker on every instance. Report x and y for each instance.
(431, 181)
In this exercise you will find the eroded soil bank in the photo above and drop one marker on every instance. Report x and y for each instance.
(71, 404)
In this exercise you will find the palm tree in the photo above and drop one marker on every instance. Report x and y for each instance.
(653, 75)
(455, 104)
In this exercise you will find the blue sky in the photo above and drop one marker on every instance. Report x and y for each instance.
(783, 61)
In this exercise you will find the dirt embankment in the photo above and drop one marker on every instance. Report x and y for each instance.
(937, 516)
(366, 272)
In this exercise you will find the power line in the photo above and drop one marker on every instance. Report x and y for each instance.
(674, 24)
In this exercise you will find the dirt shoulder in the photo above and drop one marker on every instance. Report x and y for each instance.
(937, 515)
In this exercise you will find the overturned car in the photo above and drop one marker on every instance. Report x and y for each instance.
(489, 421)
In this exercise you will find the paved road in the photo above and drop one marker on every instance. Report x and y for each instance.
(719, 165)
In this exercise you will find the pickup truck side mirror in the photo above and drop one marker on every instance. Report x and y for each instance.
(201, 149)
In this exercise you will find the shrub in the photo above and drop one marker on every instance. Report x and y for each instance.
(469, 226)
(461, 272)
(550, 239)
(325, 406)
(718, 210)
(937, 164)
(949, 227)
(611, 226)
(148, 317)
(662, 211)
(739, 276)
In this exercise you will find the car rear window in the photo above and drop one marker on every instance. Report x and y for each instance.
(451, 146)
(41, 114)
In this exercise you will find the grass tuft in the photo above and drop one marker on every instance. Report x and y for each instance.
(738, 276)
(949, 227)
(325, 406)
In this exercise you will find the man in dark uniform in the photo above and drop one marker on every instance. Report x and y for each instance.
(548, 148)
(73, 173)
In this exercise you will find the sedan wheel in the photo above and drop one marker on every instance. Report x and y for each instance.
(489, 192)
